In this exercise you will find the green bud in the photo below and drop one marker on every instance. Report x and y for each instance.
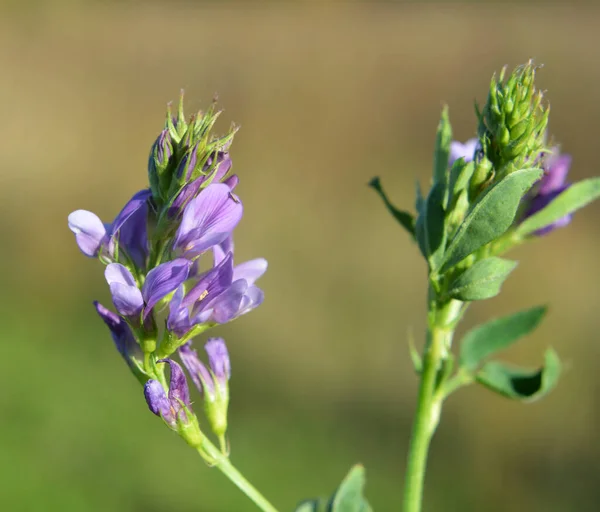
(482, 175)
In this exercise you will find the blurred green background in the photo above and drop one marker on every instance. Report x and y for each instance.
(327, 95)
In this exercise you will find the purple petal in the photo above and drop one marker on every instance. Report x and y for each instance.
(539, 202)
(162, 280)
(218, 358)
(126, 296)
(133, 236)
(221, 250)
(253, 298)
(459, 150)
(120, 332)
(89, 231)
(184, 197)
(178, 320)
(232, 181)
(212, 283)
(222, 167)
(199, 373)
(158, 402)
(227, 305)
(135, 203)
(555, 173)
(208, 219)
(178, 388)
(250, 270)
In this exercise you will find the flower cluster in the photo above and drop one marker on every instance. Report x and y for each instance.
(163, 290)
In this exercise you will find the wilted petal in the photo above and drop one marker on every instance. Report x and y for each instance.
(126, 296)
(460, 150)
(250, 270)
(178, 388)
(158, 402)
(218, 358)
(89, 231)
(162, 280)
(199, 373)
(120, 332)
(208, 219)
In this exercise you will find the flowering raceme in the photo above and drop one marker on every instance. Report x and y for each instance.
(154, 251)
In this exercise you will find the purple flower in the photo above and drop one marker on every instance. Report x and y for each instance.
(552, 184)
(174, 407)
(128, 230)
(465, 151)
(121, 334)
(160, 281)
(207, 220)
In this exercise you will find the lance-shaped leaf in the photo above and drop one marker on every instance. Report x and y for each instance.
(442, 149)
(491, 337)
(573, 198)
(405, 219)
(519, 383)
(429, 228)
(481, 281)
(349, 496)
(490, 216)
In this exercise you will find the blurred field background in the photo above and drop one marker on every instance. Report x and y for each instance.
(327, 95)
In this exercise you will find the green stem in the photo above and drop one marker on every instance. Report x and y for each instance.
(442, 319)
(228, 469)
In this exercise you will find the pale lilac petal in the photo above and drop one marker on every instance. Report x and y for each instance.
(117, 273)
(253, 298)
(126, 296)
(460, 150)
(89, 231)
(157, 401)
(208, 219)
(162, 280)
(250, 270)
(221, 250)
(199, 373)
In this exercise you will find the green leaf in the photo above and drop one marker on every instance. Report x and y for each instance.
(349, 496)
(487, 339)
(481, 281)
(429, 228)
(460, 176)
(442, 149)
(405, 219)
(519, 383)
(311, 506)
(490, 216)
(576, 196)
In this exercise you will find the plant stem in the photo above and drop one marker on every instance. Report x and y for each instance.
(228, 469)
(439, 338)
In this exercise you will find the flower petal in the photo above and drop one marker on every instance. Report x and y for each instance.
(221, 250)
(211, 283)
(126, 296)
(178, 388)
(227, 305)
(158, 402)
(162, 280)
(178, 320)
(253, 298)
(250, 270)
(135, 203)
(465, 151)
(89, 231)
(208, 219)
(120, 332)
(199, 373)
(556, 169)
(133, 236)
(232, 181)
(218, 358)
